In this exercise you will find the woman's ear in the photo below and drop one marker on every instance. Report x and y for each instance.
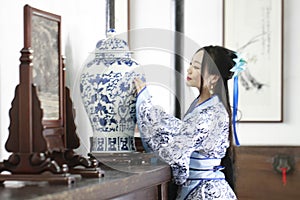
(214, 79)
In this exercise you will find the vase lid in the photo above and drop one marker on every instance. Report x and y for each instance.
(112, 45)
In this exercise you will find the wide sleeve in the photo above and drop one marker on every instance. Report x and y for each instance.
(172, 139)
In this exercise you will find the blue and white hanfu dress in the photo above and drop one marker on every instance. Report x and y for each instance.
(193, 147)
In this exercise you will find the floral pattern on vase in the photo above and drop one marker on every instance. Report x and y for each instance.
(109, 95)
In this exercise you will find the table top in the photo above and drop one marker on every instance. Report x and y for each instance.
(121, 176)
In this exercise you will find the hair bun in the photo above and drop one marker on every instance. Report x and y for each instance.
(223, 59)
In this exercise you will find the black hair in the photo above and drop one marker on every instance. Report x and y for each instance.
(222, 59)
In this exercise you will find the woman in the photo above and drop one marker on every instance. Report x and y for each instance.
(198, 147)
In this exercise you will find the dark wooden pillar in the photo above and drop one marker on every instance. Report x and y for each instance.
(179, 49)
(110, 14)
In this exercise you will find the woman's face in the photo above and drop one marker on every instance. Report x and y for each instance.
(193, 78)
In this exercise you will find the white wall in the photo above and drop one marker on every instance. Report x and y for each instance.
(83, 24)
(150, 38)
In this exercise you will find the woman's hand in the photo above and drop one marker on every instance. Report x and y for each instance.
(139, 84)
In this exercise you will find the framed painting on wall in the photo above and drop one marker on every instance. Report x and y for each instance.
(255, 30)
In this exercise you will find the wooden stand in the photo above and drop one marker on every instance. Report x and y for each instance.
(43, 149)
(31, 156)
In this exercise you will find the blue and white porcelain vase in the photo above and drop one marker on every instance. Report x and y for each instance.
(109, 96)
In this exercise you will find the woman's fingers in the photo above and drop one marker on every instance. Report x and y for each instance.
(139, 84)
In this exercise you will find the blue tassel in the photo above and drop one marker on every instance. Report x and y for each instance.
(235, 107)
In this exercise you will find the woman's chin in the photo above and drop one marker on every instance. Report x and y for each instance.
(188, 84)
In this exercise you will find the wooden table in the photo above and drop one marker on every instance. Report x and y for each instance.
(123, 179)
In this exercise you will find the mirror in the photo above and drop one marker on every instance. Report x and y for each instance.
(46, 64)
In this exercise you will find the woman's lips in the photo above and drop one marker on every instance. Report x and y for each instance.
(188, 78)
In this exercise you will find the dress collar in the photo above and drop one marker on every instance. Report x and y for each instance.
(213, 100)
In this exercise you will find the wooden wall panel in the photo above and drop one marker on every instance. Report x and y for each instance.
(256, 178)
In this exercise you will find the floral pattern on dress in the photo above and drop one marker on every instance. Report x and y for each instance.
(210, 190)
(204, 129)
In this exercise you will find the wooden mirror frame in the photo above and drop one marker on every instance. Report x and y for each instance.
(49, 33)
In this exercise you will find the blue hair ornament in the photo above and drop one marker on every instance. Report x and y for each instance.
(237, 69)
